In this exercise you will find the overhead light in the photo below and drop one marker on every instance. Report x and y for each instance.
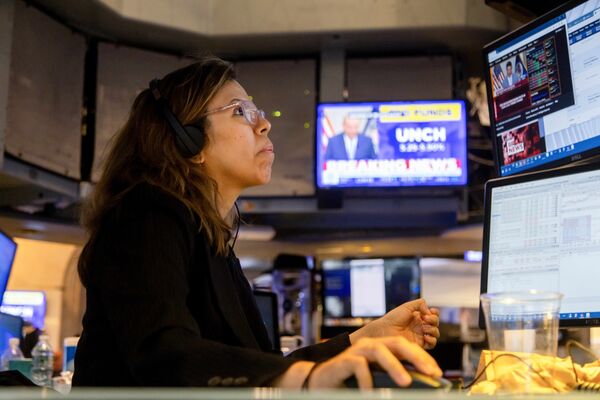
(473, 256)
(329, 250)
(256, 232)
(371, 262)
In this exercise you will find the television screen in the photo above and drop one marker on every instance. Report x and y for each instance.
(543, 90)
(29, 305)
(359, 289)
(391, 144)
(8, 248)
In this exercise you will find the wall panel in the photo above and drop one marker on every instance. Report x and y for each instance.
(287, 87)
(399, 78)
(123, 72)
(45, 92)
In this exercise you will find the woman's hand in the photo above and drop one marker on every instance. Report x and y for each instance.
(385, 351)
(412, 320)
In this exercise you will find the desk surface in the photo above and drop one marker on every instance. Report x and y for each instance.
(256, 394)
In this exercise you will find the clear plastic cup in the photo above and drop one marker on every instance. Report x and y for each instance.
(525, 322)
(522, 330)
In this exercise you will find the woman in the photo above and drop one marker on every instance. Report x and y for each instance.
(167, 303)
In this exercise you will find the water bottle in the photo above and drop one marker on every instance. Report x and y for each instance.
(42, 363)
(12, 352)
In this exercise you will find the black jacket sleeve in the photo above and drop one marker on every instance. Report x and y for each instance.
(143, 287)
(322, 351)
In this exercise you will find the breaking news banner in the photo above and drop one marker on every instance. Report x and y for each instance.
(391, 144)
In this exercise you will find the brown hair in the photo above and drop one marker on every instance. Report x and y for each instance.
(144, 150)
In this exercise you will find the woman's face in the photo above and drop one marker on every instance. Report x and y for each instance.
(238, 154)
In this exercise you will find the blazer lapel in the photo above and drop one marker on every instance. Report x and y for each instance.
(229, 302)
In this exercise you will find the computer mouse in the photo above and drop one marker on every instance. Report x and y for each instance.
(381, 379)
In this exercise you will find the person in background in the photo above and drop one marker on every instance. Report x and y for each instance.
(31, 335)
(509, 79)
(518, 72)
(350, 145)
(167, 303)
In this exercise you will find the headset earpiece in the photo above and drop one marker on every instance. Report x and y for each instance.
(189, 139)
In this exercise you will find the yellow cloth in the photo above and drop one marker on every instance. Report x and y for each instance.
(509, 374)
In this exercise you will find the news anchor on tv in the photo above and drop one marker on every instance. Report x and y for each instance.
(350, 145)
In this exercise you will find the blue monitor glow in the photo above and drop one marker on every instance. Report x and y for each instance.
(29, 305)
(391, 144)
(543, 90)
(8, 249)
(11, 326)
(356, 290)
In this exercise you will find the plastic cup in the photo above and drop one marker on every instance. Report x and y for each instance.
(525, 322)
(522, 330)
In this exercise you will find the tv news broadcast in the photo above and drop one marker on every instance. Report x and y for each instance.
(391, 144)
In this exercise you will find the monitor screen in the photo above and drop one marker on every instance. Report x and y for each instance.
(359, 289)
(29, 305)
(391, 144)
(543, 90)
(10, 327)
(542, 231)
(8, 249)
(267, 306)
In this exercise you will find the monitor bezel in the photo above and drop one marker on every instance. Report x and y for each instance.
(502, 41)
(272, 296)
(390, 188)
(516, 179)
(322, 286)
(12, 262)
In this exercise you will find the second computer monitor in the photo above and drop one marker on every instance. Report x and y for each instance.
(542, 231)
(355, 291)
(543, 90)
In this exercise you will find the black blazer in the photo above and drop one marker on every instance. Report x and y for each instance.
(163, 310)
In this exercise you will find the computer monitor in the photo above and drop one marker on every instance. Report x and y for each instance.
(27, 304)
(11, 326)
(542, 231)
(355, 291)
(8, 249)
(391, 144)
(543, 90)
(267, 305)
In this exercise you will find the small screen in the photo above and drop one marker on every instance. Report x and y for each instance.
(367, 288)
(544, 90)
(267, 306)
(8, 248)
(391, 144)
(544, 234)
(29, 305)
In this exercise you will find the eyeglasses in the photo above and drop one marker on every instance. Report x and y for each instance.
(247, 108)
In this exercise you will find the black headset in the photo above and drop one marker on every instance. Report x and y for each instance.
(189, 139)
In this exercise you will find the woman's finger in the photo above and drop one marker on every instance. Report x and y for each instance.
(431, 330)
(431, 319)
(381, 354)
(360, 368)
(411, 352)
(430, 342)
